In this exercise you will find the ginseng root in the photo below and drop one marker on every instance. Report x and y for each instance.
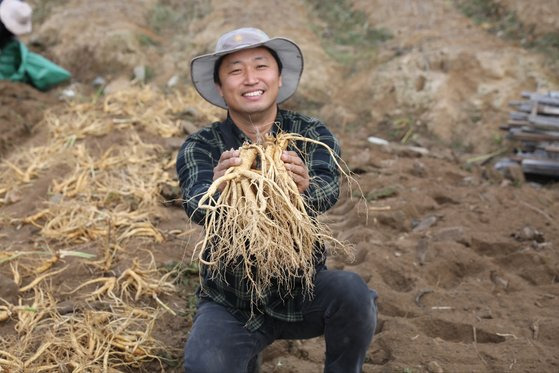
(260, 222)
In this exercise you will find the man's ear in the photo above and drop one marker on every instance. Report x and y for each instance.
(280, 82)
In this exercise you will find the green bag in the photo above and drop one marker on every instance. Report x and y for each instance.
(18, 64)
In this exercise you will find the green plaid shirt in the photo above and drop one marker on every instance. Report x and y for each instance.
(196, 160)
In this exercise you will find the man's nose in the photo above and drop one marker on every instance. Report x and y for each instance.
(251, 77)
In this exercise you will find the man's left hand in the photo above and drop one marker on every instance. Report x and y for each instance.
(297, 169)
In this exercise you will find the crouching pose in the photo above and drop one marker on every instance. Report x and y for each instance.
(249, 298)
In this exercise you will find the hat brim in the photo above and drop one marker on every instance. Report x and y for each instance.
(202, 70)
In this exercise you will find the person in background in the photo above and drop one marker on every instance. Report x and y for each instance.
(17, 62)
(248, 75)
(15, 20)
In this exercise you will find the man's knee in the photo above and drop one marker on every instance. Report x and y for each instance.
(217, 342)
(350, 286)
(204, 361)
(344, 291)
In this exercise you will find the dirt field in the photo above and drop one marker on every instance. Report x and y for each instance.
(465, 260)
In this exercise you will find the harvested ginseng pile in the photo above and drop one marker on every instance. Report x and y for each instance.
(261, 220)
(87, 294)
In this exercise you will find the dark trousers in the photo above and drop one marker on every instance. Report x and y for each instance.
(343, 309)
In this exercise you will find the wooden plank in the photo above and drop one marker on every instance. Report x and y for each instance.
(544, 99)
(542, 109)
(541, 167)
(518, 123)
(526, 136)
(535, 124)
(531, 129)
(552, 148)
(517, 115)
(543, 122)
(549, 110)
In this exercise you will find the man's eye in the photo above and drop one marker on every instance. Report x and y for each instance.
(261, 66)
(236, 71)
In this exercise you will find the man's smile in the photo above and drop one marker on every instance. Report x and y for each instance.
(253, 93)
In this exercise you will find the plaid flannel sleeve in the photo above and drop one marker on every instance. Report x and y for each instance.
(195, 164)
(324, 187)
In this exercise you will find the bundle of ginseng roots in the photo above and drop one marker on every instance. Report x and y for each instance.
(260, 222)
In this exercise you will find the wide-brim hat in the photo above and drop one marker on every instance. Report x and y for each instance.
(16, 16)
(202, 67)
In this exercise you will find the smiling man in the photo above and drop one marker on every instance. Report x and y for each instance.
(249, 81)
(249, 75)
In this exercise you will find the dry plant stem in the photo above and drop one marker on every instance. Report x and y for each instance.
(37, 354)
(9, 256)
(16, 274)
(260, 221)
(107, 288)
(39, 279)
(13, 361)
(29, 321)
(144, 283)
(47, 264)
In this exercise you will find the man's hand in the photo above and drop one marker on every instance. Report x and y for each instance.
(297, 169)
(229, 158)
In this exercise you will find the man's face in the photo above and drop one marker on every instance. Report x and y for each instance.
(250, 81)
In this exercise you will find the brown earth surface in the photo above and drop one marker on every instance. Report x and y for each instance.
(465, 259)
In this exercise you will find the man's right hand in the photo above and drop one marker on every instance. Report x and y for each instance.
(229, 158)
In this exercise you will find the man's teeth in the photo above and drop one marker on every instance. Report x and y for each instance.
(252, 94)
